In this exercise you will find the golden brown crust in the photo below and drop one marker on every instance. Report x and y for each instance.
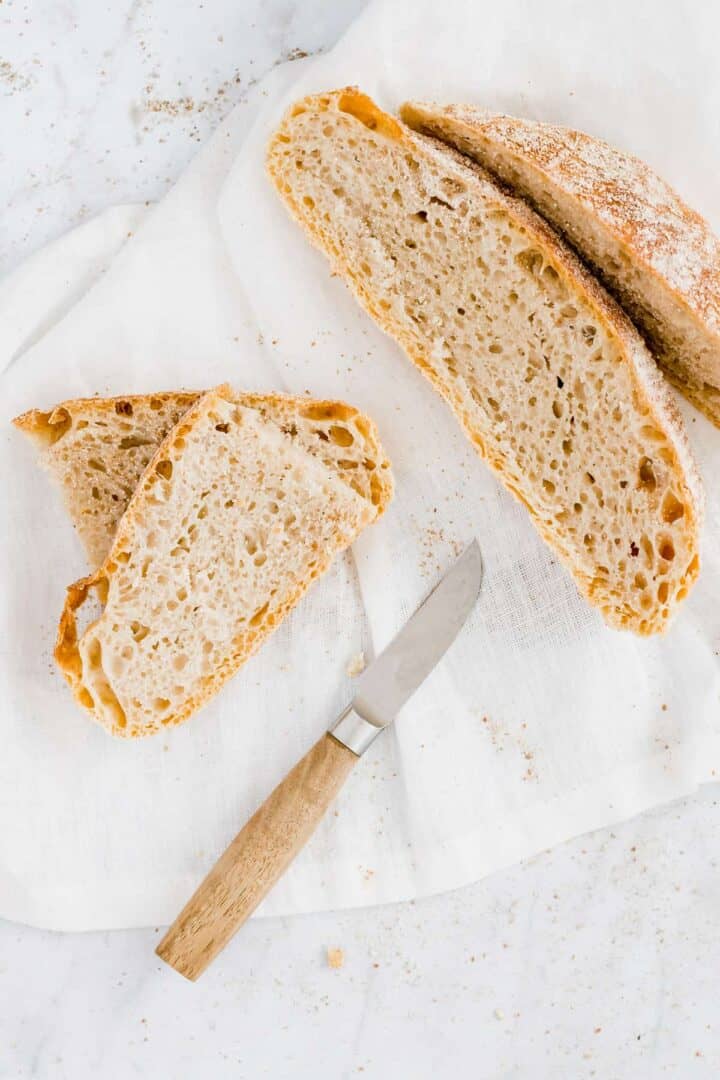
(44, 426)
(638, 212)
(650, 385)
(67, 653)
(705, 399)
(642, 211)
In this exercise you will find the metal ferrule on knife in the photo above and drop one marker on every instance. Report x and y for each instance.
(353, 731)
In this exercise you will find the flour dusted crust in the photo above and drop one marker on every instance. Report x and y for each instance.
(340, 164)
(191, 587)
(658, 256)
(96, 449)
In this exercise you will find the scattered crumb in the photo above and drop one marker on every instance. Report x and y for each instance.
(335, 958)
(11, 77)
(503, 739)
(356, 665)
(173, 106)
(499, 1014)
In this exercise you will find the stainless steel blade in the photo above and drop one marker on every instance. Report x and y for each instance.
(392, 678)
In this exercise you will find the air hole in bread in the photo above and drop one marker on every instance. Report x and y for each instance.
(646, 475)
(530, 260)
(666, 548)
(672, 508)
(139, 631)
(164, 469)
(363, 109)
(651, 433)
(259, 615)
(53, 426)
(131, 442)
(647, 550)
(341, 436)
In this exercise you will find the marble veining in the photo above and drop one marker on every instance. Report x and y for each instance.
(598, 959)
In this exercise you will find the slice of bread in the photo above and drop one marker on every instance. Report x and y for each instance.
(655, 254)
(229, 525)
(548, 376)
(96, 449)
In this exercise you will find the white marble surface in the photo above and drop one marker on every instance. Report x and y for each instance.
(597, 959)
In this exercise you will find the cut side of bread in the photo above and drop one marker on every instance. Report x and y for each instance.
(655, 254)
(229, 525)
(96, 449)
(549, 378)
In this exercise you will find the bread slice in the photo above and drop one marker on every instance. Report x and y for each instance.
(96, 449)
(655, 254)
(229, 525)
(549, 378)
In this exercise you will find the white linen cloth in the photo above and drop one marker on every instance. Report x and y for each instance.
(541, 723)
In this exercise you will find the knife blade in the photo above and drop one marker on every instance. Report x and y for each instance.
(391, 679)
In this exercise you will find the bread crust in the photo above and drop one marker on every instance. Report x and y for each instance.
(67, 653)
(651, 387)
(642, 213)
(38, 423)
(45, 427)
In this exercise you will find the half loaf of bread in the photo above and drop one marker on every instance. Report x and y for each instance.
(96, 449)
(231, 522)
(655, 254)
(549, 378)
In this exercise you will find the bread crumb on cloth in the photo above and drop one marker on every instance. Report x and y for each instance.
(335, 958)
(356, 665)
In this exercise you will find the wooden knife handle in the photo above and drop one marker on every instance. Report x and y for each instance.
(256, 859)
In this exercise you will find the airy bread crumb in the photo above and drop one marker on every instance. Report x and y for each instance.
(230, 524)
(96, 449)
(657, 255)
(550, 380)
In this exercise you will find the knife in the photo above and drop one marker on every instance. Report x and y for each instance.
(265, 847)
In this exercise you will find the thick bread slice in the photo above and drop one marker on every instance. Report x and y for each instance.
(549, 378)
(97, 448)
(658, 257)
(229, 525)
